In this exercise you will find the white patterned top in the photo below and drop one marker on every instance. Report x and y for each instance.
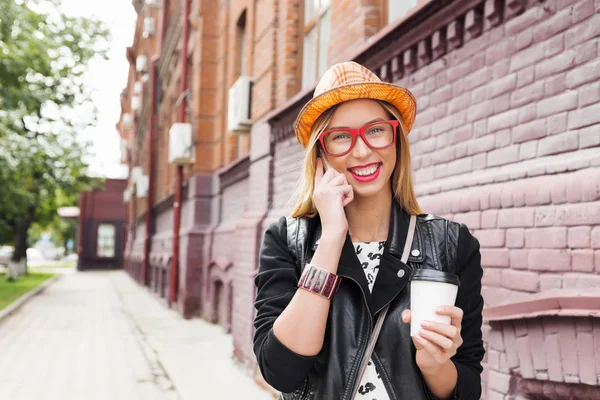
(369, 254)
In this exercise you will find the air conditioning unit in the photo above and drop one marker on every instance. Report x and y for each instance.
(181, 145)
(127, 193)
(127, 120)
(149, 27)
(135, 175)
(136, 103)
(124, 151)
(141, 186)
(141, 63)
(239, 107)
(137, 88)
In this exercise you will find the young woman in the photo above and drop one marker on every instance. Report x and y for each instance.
(327, 272)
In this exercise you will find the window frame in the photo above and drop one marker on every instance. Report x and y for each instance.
(114, 245)
(305, 28)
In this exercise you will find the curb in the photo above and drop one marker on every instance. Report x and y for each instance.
(15, 305)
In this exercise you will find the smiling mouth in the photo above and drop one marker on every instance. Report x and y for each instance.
(365, 172)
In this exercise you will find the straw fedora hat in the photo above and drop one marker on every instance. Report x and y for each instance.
(349, 81)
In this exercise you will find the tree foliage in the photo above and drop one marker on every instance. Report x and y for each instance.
(44, 104)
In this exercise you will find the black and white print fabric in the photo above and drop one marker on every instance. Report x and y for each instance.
(369, 254)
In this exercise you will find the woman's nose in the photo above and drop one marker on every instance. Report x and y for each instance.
(360, 150)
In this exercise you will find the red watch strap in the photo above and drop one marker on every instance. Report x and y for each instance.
(319, 281)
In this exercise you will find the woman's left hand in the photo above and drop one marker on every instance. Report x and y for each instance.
(436, 342)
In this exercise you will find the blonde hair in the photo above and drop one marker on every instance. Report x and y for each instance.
(402, 184)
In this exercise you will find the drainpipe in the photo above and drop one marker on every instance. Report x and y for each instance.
(150, 194)
(179, 179)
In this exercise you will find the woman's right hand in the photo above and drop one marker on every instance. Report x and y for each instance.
(332, 193)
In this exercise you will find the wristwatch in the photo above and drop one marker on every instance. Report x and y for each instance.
(319, 281)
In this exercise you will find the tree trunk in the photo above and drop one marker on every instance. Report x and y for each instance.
(18, 264)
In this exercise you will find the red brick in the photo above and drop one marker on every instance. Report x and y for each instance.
(594, 236)
(493, 359)
(564, 142)
(536, 341)
(441, 95)
(597, 260)
(556, 123)
(461, 134)
(503, 156)
(516, 218)
(583, 260)
(546, 238)
(490, 217)
(460, 166)
(549, 260)
(552, 351)
(478, 78)
(579, 237)
(582, 32)
(589, 72)
(589, 94)
(537, 193)
(526, 76)
(550, 282)
(525, 281)
(496, 340)
(527, 94)
(524, 39)
(589, 137)
(495, 257)
(459, 103)
(479, 161)
(525, 360)
(529, 131)
(578, 214)
(515, 238)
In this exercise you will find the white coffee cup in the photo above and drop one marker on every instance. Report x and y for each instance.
(430, 289)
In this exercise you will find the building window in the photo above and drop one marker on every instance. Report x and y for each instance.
(241, 45)
(107, 235)
(397, 9)
(317, 31)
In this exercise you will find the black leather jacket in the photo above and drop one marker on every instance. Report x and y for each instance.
(332, 374)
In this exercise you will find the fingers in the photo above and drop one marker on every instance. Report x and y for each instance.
(319, 171)
(349, 196)
(435, 338)
(428, 346)
(406, 316)
(338, 180)
(449, 331)
(455, 314)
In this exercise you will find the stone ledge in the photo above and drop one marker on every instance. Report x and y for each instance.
(563, 303)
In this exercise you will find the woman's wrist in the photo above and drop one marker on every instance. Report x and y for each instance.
(327, 255)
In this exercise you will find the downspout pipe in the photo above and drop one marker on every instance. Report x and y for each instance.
(151, 158)
(174, 275)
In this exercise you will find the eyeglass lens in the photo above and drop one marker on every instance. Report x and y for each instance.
(377, 135)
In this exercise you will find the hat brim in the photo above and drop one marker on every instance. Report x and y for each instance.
(397, 96)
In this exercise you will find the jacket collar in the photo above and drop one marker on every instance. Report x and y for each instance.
(390, 281)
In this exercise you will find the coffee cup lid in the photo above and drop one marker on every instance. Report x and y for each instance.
(435, 275)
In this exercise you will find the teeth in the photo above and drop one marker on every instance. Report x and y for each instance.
(366, 171)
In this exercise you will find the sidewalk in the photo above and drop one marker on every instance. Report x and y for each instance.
(100, 336)
(195, 354)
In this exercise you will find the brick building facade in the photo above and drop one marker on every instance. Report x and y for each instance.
(506, 140)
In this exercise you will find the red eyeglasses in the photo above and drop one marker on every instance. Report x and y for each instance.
(377, 135)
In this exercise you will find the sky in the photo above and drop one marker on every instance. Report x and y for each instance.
(107, 78)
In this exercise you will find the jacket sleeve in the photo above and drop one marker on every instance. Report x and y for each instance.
(469, 356)
(276, 283)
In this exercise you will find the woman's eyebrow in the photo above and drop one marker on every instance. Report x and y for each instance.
(366, 123)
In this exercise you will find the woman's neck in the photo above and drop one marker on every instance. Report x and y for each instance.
(369, 218)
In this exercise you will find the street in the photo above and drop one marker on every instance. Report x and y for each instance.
(98, 335)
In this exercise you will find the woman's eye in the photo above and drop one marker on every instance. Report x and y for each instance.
(341, 136)
(375, 130)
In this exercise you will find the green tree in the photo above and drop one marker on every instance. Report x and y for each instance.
(44, 103)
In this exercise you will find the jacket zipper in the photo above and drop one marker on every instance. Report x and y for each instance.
(362, 350)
